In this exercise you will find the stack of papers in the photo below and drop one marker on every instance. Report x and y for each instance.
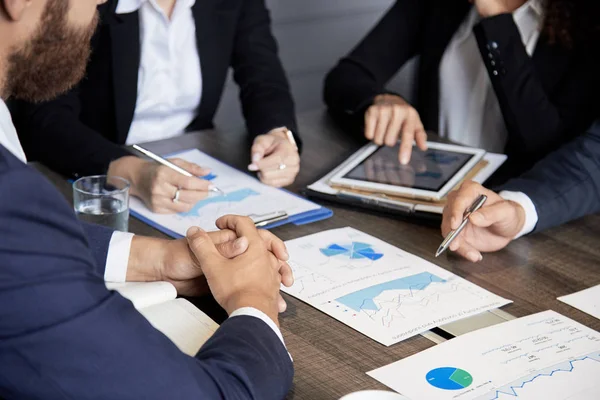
(379, 290)
(543, 356)
(244, 195)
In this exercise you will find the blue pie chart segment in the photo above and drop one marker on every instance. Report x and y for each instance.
(370, 254)
(449, 378)
(354, 251)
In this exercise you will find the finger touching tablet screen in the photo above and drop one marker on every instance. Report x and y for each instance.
(430, 174)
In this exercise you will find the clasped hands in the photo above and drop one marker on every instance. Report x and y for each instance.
(241, 265)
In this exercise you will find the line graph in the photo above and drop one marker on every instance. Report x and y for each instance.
(510, 390)
(556, 371)
(365, 299)
(378, 289)
(233, 197)
(305, 278)
(393, 303)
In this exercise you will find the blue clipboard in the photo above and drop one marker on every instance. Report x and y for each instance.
(297, 219)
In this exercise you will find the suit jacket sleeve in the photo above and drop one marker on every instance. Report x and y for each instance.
(358, 78)
(64, 335)
(264, 88)
(99, 240)
(534, 122)
(566, 184)
(53, 134)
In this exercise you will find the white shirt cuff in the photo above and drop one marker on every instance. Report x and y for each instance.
(531, 216)
(253, 312)
(117, 258)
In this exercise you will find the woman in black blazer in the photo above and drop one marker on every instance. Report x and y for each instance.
(536, 57)
(82, 133)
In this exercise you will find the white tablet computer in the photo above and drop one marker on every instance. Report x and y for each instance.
(430, 174)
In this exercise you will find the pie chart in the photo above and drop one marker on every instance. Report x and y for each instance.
(354, 251)
(449, 378)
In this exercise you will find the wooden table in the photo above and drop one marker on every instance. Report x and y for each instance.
(330, 358)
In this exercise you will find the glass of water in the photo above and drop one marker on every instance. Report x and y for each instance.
(102, 200)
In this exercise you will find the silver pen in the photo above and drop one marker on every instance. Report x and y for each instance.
(169, 164)
(267, 219)
(477, 204)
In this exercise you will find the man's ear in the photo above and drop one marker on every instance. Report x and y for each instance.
(14, 9)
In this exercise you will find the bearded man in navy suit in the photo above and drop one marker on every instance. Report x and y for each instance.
(62, 333)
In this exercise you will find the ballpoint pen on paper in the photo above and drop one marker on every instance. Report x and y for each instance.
(169, 164)
(477, 204)
(263, 220)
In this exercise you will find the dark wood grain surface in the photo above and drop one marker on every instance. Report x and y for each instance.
(330, 358)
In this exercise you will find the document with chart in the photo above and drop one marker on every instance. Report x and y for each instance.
(244, 195)
(379, 290)
(543, 356)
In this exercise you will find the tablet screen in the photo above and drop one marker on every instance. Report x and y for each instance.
(428, 170)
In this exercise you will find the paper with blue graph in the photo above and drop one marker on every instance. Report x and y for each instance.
(244, 195)
(378, 289)
(542, 356)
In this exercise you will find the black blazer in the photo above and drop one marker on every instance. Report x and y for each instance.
(82, 132)
(545, 99)
(566, 184)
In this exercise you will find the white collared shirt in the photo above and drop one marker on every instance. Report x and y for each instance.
(8, 133)
(169, 76)
(469, 110)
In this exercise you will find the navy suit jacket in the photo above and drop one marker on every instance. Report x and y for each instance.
(566, 184)
(64, 335)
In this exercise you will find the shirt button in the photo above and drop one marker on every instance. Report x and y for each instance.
(494, 45)
(495, 72)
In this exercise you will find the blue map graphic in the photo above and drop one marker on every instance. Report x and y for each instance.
(354, 251)
(364, 299)
(237, 196)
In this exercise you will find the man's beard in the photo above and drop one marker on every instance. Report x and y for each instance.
(53, 60)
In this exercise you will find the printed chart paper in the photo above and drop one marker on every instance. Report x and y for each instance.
(379, 290)
(244, 195)
(543, 356)
(587, 301)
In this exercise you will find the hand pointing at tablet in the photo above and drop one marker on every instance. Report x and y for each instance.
(391, 118)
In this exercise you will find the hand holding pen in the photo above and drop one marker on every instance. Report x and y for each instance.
(165, 186)
(275, 158)
(489, 228)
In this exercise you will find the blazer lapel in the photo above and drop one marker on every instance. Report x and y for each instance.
(445, 19)
(207, 42)
(126, 53)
